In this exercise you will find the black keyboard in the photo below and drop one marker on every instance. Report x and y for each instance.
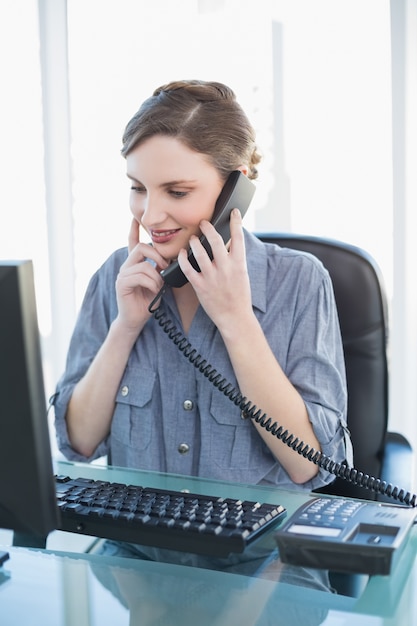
(162, 518)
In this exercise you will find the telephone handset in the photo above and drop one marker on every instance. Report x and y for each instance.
(237, 193)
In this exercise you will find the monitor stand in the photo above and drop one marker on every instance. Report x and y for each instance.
(29, 540)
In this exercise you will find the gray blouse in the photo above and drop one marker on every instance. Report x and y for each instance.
(169, 417)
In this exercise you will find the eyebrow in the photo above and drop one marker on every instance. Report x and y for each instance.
(170, 183)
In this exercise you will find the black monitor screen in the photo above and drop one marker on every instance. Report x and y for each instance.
(27, 492)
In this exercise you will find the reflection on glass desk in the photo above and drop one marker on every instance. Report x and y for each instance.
(54, 588)
(45, 589)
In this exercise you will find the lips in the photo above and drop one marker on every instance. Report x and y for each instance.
(163, 236)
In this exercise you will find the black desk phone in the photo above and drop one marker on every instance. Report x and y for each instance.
(345, 535)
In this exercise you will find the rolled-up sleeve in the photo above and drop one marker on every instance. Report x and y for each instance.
(313, 358)
(97, 311)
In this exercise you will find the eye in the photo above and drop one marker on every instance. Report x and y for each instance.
(138, 188)
(177, 194)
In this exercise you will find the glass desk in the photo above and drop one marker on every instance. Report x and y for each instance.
(56, 588)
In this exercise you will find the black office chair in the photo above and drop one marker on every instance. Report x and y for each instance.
(362, 308)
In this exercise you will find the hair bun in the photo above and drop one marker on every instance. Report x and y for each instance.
(202, 91)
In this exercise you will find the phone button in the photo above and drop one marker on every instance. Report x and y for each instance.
(374, 539)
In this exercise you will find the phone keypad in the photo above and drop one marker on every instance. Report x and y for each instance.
(328, 512)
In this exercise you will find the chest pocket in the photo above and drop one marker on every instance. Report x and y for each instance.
(132, 420)
(234, 442)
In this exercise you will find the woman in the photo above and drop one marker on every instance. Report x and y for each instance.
(263, 316)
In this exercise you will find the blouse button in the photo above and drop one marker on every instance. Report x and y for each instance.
(183, 448)
(125, 390)
(187, 405)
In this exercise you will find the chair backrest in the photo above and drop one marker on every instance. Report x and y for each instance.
(362, 308)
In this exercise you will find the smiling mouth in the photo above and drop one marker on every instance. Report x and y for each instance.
(163, 236)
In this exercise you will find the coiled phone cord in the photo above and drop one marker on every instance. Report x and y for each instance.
(249, 410)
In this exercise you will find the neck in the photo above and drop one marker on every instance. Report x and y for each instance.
(187, 304)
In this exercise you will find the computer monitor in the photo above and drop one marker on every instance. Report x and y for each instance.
(27, 491)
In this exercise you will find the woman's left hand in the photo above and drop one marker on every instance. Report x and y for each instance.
(222, 286)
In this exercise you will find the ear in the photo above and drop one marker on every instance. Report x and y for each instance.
(244, 169)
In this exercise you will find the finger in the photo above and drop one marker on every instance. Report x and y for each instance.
(133, 281)
(200, 253)
(188, 270)
(237, 239)
(133, 238)
(144, 252)
(217, 244)
(219, 247)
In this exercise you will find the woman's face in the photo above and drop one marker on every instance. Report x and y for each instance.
(173, 189)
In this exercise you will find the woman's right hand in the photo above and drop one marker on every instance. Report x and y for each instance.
(138, 281)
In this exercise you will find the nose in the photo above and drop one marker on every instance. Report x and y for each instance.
(148, 209)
